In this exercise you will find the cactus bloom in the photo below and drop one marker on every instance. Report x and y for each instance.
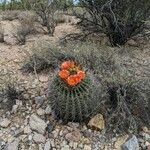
(67, 64)
(64, 74)
(71, 73)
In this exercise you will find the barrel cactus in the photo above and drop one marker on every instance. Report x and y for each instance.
(73, 94)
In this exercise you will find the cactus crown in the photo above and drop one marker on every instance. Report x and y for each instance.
(73, 96)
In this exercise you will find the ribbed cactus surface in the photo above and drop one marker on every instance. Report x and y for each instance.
(75, 103)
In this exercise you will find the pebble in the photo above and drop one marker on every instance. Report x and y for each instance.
(48, 110)
(131, 144)
(14, 108)
(97, 122)
(47, 145)
(39, 100)
(40, 112)
(27, 130)
(73, 136)
(37, 124)
(87, 147)
(5, 123)
(39, 138)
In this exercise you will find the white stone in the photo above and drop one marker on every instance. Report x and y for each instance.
(14, 108)
(87, 147)
(5, 123)
(39, 138)
(47, 145)
(40, 112)
(27, 130)
(131, 144)
(48, 110)
(37, 124)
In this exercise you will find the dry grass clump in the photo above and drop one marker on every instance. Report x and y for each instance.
(10, 90)
(10, 15)
(128, 105)
(22, 32)
(28, 20)
(43, 56)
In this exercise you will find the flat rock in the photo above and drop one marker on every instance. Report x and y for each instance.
(74, 136)
(37, 124)
(39, 138)
(97, 122)
(14, 145)
(131, 144)
(5, 123)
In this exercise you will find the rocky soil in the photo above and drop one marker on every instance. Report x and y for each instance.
(30, 123)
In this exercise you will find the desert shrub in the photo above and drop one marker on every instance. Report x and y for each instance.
(75, 100)
(128, 106)
(1, 34)
(28, 18)
(10, 15)
(22, 32)
(10, 90)
(60, 18)
(45, 10)
(119, 20)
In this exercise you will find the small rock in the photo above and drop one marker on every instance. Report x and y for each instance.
(132, 42)
(47, 145)
(43, 78)
(73, 136)
(87, 147)
(131, 144)
(40, 112)
(37, 124)
(14, 145)
(65, 147)
(52, 143)
(50, 127)
(30, 137)
(48, 110)
(39, 100)
(5, 123)
(14, 108)
(27, 130)
(97, 122)
(39, 138)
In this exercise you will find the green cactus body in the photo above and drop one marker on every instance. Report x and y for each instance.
(73, 103)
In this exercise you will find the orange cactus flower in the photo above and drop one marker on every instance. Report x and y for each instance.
(77, 78)
(81, 74)
(64, 74)
(67, 64)
(71, 80)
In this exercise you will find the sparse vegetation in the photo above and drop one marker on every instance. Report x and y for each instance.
(1, 34)
(46, 10)
(95, 66)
